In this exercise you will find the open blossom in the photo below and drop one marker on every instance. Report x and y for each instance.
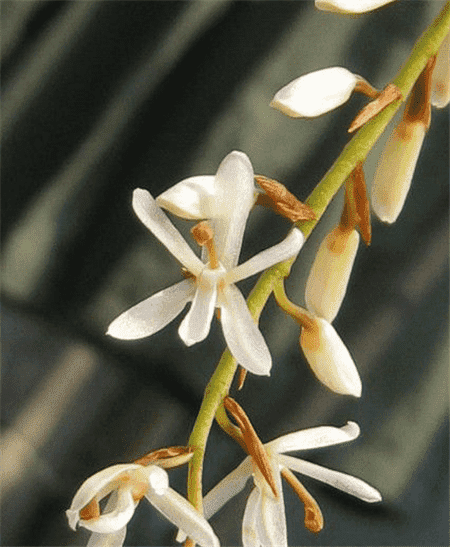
(126, 485)
(212, 281)
(350, 6)
(318, 92)
(264, 518)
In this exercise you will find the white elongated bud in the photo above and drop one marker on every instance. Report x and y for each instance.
(350, 6)
(330, 273)
(440, 80)
(395, 170)
(316, 93)
(329, 358)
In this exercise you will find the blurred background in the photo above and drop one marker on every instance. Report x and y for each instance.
(102, 97)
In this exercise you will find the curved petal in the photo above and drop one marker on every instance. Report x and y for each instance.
(330, 273)
(181, 513)
(288, 248)
(440, 79)
(250, 537)
(242, 335)
(115, 539)
(350, 6)
(329, 358)
(193, 198)
(341, 481)
(158, 479)
(99, 485)
(315, 93)
(395, 170)
(154, 313)
(150, 214)
(235, 198)
(116, 519)
(195, 326)
(228, 487)
(315, 437)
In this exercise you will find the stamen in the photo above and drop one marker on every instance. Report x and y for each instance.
(90, 511)
(389, 94)
(254, 446)
(313, 514)
(204, 236)
(170, 457)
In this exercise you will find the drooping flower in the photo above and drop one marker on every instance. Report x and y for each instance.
(126, 485)
(212, 282)
(318, 92)
(264, 518)
(350, 6)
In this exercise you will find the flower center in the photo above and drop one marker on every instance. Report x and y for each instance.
(204, 236)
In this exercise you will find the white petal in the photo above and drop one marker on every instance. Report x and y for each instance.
(197, 323)
(250, 536)
(150, 214)
(395, 170)
(315, 437)
(350, 6)
(114, 539)
(228, 487)
(154, 313)
(116, 519)
(97, 486)
(235, 198)
(330, 273)
(242, 334)
(181, 513)
(158, 479)
(440, 80)
(329, 359)
(342, 481)
(288, 248)
(315, 93)
(193, 198)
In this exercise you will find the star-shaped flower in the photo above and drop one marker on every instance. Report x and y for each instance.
(126, 485)
(264, 521)
(212, 281)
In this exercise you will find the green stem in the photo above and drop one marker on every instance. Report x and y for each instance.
(355, 151)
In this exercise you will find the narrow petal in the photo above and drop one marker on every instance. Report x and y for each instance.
(228, 487)
(315, 93)
(97, 486)
(330, 273)
(341, 481)
(350, 6)
(150, 214)
(395, 170)
(181, 513)
(114, 539)
(315, 437)
(242, 335)
(116, 519)
(288, 248)
(440, 81)
(154, 313)
(329, 359)
(197, 323)
(193, 198)
(235, 197)
(250, 537)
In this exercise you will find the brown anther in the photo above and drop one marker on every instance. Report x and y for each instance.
(241, 378)
(389, 94)
(254, 446)
(313, 514)
(90, 511)
(418, 107)
(204, 236)
(366, 89)
(173, 456)
(278, 198)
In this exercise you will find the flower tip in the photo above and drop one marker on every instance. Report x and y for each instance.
(73, 518)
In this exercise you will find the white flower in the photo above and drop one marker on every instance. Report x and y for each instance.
(316, 93)
(127, 484)
(329, 275)
(211, 285)
(264, 518)
(350, 6)
(440, 80)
